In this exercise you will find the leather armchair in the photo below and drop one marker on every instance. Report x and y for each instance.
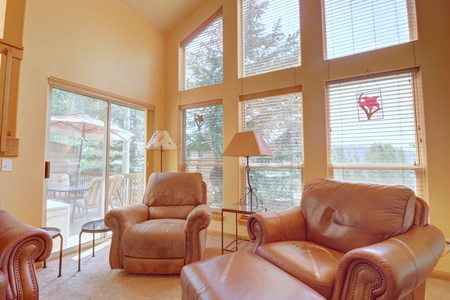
(21, 246)
(166, 231)
(352, 240)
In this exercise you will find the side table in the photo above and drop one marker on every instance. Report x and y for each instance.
(237, 209)
(96, 226)
(55, 232)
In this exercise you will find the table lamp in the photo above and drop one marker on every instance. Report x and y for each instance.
(246, 144)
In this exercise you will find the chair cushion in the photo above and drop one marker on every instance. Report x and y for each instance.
(165, 190)
(159, 238)
(348, 215)
(312, 264)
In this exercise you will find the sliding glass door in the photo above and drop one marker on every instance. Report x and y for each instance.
(97, 159)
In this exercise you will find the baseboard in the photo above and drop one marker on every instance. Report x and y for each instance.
(440, 275)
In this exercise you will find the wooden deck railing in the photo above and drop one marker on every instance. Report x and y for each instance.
(132, 188)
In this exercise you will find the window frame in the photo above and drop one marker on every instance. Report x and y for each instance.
(182, 49)
(288, 203)
(411, 21)
(208, 162)
(242, 43)
(419, 166)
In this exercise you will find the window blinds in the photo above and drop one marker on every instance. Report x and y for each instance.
(279, 120)
(202, 55)
(202, 130)
(270, 35)
(355, 26)
(375, 130)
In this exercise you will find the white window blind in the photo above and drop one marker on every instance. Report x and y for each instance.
(202, 138)
(375, 130)
(355, 26)
(202, 55)
(279, 120)
(270, 35)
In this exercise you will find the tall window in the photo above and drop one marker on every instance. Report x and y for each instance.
(202, 130)
(355, 26)
(277, 116)
(270, 35)
(202, 55)
(96, 147)
(376, 131)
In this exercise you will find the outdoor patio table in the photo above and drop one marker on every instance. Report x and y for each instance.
(69, 194)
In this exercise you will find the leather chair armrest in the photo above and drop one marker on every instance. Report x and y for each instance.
(272, 227)
(391, 269)
(21, 245)
(118, 219)
(196, 223)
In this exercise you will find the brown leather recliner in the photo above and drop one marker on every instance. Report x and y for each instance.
(352, 240)
(166, 231)
(21, 246)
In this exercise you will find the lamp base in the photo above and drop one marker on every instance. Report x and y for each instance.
(251, 200)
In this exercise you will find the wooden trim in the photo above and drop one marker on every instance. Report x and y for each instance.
(17, 51)
(216, 216)
(12, 147)
(368, 74)
(271, 93)
(200, 28)
(99, 94)
(6, 100)
(440, 275)
(201, 104)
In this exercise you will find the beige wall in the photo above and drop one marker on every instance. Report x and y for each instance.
(100, 44)
(431, 53)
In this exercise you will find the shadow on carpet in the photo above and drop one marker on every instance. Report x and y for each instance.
(96, 280)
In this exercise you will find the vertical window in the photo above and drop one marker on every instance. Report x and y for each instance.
(202, 146)
(202, 55)
(270, 35)
(96, 147)
(375, 130)
(355, 26)
(277, 116)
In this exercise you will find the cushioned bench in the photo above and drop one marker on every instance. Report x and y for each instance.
(241, 275)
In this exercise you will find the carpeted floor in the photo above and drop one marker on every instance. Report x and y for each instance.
(97, 281)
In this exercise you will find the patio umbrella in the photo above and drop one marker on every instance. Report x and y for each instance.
(85, 127)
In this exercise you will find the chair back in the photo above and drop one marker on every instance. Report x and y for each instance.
(174, 194)
(58, 180)
(94, 194)
(116, 197)
(347, 215)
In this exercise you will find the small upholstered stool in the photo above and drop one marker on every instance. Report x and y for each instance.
(241, 275)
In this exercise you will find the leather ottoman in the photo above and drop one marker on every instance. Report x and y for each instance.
(241, 275)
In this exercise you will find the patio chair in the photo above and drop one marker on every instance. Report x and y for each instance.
(115, 200)
(93, 199)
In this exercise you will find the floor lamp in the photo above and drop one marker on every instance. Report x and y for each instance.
(161, 141)
(246, 144)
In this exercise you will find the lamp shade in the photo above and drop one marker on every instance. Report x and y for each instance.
(247, 143)
(161, 140)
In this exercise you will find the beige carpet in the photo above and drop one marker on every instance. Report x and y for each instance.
(97, 281)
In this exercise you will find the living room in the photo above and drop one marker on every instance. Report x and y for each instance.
(106, 46)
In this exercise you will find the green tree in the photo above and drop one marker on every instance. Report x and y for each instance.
(384, 153)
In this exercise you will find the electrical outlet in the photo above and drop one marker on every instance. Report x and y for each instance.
(6, 165)
(447, 244)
